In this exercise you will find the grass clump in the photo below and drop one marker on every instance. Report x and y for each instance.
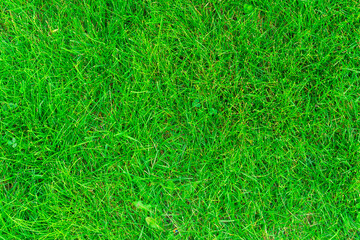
(179, 119)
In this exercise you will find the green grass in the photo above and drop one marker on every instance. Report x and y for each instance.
(223, 119)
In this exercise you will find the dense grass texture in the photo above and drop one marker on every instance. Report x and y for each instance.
(169, 119)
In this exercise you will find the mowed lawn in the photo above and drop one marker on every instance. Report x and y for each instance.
(179, 119)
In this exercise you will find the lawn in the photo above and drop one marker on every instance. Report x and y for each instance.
(175, 119)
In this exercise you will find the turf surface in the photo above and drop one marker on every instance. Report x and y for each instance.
(179, 119)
